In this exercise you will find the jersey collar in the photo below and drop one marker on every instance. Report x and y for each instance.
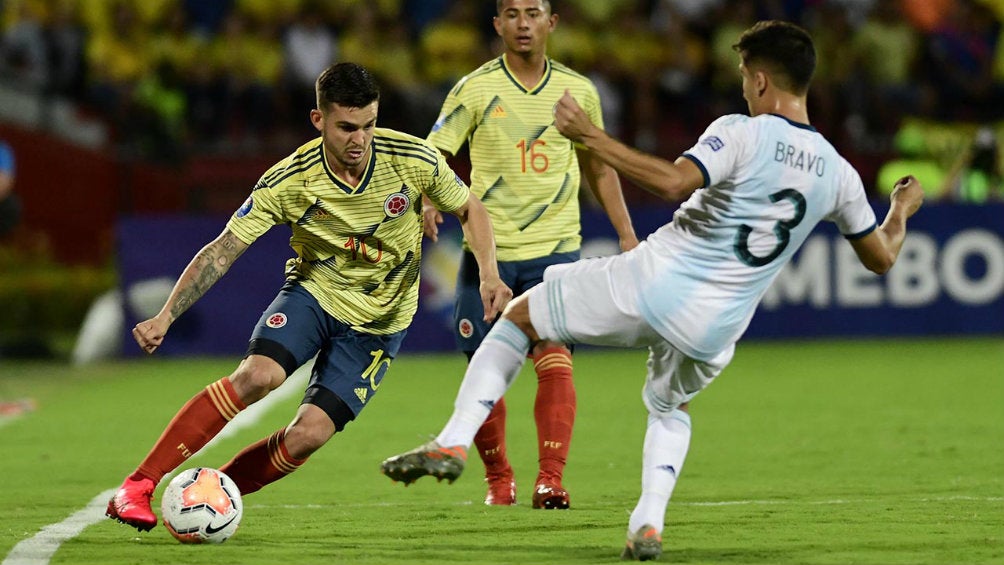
(540, 85)
(344, 186)
(796, 124)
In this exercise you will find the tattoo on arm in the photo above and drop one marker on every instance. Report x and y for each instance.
(208, 266)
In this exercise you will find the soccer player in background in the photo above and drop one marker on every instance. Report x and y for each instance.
(352, 199)
(527, 174)
(755, 186)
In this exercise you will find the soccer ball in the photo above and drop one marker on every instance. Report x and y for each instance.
(201, 505)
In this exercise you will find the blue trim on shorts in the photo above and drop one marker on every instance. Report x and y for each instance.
(556, 309)
(469, 328)
(349, 363)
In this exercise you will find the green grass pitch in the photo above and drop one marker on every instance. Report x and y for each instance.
(879, 451)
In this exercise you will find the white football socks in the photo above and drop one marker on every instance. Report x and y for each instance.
(666, 442)
(494, 367)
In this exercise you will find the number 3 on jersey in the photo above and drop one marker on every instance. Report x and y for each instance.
(538, 161)
(782, 230)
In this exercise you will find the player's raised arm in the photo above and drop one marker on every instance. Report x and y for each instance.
(671, 181)
(478, 231)
(207, 267)
(878, 250)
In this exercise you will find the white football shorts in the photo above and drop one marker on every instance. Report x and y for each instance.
(595, 301)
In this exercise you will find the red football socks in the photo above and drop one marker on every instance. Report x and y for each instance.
(261, 463)
(198, 421)
(490, 441)
(554, 410)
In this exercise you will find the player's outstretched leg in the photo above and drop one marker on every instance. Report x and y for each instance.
(493, 368)
(131, 503)
(197, 422)
(428, 459)
(645, 544)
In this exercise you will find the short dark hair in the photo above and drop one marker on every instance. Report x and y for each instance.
(499, 3)
(346, 84)
(784, 48)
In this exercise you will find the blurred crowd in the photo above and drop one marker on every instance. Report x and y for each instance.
(176, 77)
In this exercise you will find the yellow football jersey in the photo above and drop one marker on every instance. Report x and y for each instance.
(358, 248)
(522, 168)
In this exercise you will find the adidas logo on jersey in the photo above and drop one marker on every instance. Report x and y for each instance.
(498, 112)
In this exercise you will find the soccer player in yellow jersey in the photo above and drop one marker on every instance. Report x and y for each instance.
(527, 174)
(352, 199)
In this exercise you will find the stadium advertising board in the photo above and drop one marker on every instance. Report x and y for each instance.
(949, 280)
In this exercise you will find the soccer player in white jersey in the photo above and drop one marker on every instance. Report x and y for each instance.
(527, 175)
(755, 186)
(352, 198)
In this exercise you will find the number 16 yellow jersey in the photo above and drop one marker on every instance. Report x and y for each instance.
(522, 168)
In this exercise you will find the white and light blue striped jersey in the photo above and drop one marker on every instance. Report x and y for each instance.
(767, 182)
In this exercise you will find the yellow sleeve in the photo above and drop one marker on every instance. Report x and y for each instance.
(447, 191)
(455, 123)
(590, 102)
(261, 211)
(592, 105)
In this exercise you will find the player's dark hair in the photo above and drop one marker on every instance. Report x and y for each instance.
(785, 49)
(499, 3)
(346, 84)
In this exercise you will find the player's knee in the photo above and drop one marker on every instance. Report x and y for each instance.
(547, 346)
(518, 312)
(254, 379)
(310, 430)
(517, 309)
(324, 408)
(303, 439)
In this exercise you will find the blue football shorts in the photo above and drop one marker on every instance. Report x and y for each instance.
(350, 364)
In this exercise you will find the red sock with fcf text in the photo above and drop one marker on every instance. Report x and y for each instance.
(554, 411)
(198, 421)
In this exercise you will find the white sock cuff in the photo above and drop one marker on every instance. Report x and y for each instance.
(508, 334)
(681, 416)
(677, 415)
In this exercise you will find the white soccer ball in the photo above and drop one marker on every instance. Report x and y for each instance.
(201, 505)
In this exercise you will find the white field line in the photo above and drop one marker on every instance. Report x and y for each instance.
(40, 548)
(834, 501)
(399, 504)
